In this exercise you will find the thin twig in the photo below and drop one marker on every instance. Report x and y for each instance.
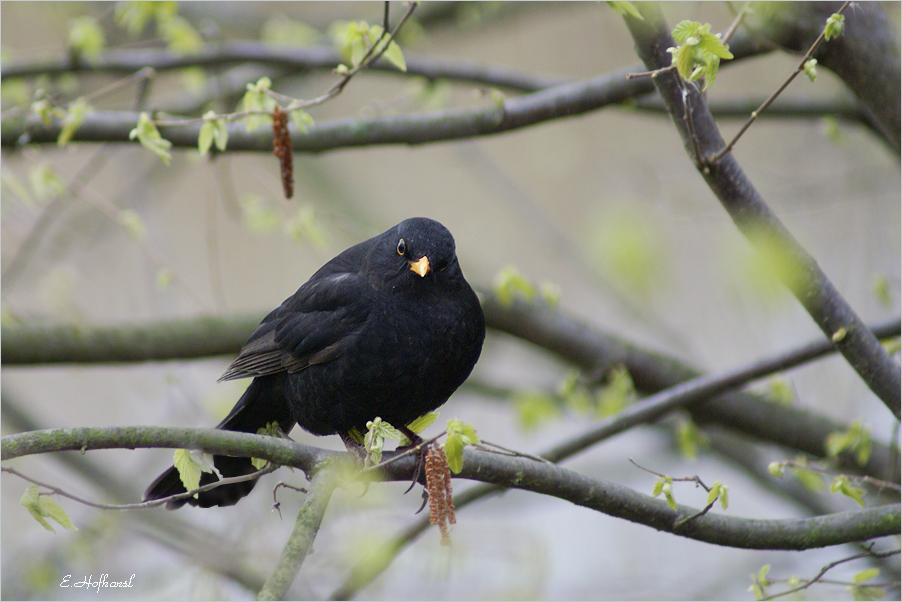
(736, 22)
(483, 444)
(150, 503)
(820, 39)
(880, 484)
(867, 554)
(651, 74)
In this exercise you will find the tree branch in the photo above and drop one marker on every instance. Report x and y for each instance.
(300, 541)
(501, 470)
(317, 58)
(573, 340)
(755, 219)
(562, 100)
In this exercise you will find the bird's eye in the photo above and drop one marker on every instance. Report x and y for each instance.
(402, 247)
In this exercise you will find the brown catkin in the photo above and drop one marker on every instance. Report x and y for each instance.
(281, 142)
(438, 485)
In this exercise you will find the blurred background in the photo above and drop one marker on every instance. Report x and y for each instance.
(604, 208)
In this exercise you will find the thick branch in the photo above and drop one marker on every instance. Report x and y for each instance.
(299, 60)
(755, 219)
(452, 124)
(563, 100)
(570, 338)
(303, 60)
(505, 471)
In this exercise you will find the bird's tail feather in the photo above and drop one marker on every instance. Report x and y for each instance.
(263, 402)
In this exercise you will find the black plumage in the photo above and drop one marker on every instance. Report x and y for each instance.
(387, 328)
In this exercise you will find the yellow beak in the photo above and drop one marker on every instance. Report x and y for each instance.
(420, 266)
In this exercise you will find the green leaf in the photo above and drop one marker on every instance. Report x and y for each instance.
(534, 408)
(45, 184)
(259, 216)
(760, 583)
(811, 480)
(300, 118)
(374, 441)
(625, 9)
(857, 439)
(255, 99)
(776, 469)
(834, 27)
(685, 30)
(865, 575)
(710, 42)
(510, 284)
(164, 278)
(882, 291)
(459, 435)
(149, 137)
(75, 115)
(180, 35)
(617, 394)
(213, 130)
(86, 37)
(133, 224)
(205, 137)
(305, 226)
(423, 422)
(665, 485)
(41, 507)
(699, 53)
(134, 16)
(394, 56)
(781, 391)
(454, 451)
(56, 512)
(190, 467)
(690, 439)
(810, 69)
(842, 485)
(288, 32)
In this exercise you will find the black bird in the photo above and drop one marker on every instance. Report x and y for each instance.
(388, 328)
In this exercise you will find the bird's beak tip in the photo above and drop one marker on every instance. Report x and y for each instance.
(421, 266)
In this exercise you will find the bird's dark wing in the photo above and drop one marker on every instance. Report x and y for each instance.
(312, 326)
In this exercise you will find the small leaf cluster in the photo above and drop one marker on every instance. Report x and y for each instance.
(861, 591)
(354, 40)
(760, 583)
(842, 484)
(537, 407)
(86, 37)
(511, 284)
(834, 27)
(190, 465)
(271, 429)
(699, 52)
(664, 485)
(181, 37)
(856, 439)
(378, 431)
(42, 507)
(459, 435)
(149, 136)
(690, 439)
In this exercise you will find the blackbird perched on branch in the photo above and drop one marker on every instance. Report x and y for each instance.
(388, 328)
